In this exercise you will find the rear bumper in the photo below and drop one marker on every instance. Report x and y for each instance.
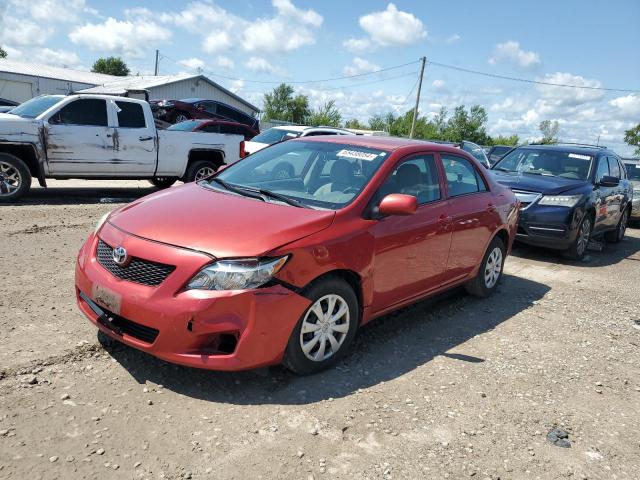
(230, 330)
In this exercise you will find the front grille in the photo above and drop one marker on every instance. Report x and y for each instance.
(526, 198)
(144, 272)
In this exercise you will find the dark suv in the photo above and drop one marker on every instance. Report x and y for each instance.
(176, 111)
(569, 194)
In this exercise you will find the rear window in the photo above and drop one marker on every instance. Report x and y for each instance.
(187, 126)
(130, 115)
(273, 135)
(633, 170)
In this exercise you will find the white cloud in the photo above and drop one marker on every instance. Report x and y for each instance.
(260, 65)
(192, 63)
(438, 84)
(62, 11)
(236, 86)
(127, 38)
(628, 107)
(357, 45)
(393, 27)
(563, 97)
(360, 65)
(22, 32)
(225, 62)
(455, 38)
(510, 52)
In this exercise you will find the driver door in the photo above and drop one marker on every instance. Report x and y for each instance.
(79, 140)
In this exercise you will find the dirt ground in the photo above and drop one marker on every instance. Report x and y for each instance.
(453, 387)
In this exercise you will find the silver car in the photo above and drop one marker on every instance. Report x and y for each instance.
(633, 172)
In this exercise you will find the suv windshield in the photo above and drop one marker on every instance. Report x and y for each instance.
(273, 135)
(186, 126)
(543, 161)
(34, 107)
(314, 174)
(633, 171)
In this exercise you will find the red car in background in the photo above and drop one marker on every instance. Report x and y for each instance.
(243, 270)
(215, 126)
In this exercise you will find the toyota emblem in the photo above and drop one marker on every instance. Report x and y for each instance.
(119, 255)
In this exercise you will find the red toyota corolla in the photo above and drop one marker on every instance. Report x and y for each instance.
(244, 269)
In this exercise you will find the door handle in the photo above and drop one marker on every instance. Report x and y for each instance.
(145, 139)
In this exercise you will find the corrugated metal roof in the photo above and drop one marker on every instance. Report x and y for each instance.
(46, 71)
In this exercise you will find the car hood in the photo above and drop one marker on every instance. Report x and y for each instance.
(220, 224)
(536, 183)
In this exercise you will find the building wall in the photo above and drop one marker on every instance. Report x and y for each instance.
(195, 88)
(20, 88)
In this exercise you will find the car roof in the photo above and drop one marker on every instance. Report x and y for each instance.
(378, 142)
(567, 147)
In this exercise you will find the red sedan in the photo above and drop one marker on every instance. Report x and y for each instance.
(244, 270)
(215, 126)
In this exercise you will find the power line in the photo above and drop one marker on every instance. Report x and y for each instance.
(526, 80)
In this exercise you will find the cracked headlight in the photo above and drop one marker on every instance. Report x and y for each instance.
(237, 274)
(560, 200)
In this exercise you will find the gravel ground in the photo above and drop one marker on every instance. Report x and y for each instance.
(453, 387)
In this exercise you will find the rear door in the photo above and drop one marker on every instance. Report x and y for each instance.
(470, 213)
(605, 198)
(79, 140)
(135, 145)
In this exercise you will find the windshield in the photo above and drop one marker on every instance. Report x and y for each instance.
(633, 171)
(273, 135)
(500, 150)
(34, 107)
(476, 150)
(539, 161)
(187, 126)
(315, 174)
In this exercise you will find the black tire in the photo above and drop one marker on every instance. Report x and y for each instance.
(578, 250)
(617, 235)
(490, 271)
(200, 169)
(163, 182)
(15, 178)
(295, 359)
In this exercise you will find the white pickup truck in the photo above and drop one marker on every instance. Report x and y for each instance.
(101, 137)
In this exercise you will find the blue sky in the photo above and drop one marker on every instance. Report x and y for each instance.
(592, 43)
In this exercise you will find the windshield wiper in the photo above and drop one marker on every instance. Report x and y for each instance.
(240, 191)
(502, 169)
(278, 196)
(534, 172)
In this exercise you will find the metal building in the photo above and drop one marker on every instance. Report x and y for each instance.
(21, 81)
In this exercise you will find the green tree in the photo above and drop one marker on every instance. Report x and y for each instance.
(632, 137)
(280, 104)
(377, 122)
(3, 53)
(111, 66)
(511, 140)
(355, 124)
(549, 131)
(467, 125)
(326, 115)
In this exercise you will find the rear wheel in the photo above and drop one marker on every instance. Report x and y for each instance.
(578, 250)
(200, 170)
(15, 178)
(618, 234)
(490, 272)
(326, 329)
(163, 182)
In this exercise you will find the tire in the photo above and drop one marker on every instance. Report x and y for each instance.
(15, 178)
(618, 234)
(163, 182)
(321, 354)
(578, 250)
(200, 170)
(490, 271)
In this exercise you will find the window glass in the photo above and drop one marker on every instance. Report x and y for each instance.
(633, 170)
(208, 107)
(273, 135)
(417, 177)
(186, 126)
(130, 115)
(462, 177)
(546, 162)
(614, 168)
(212, 129)
(84, 111)
(603, 169)
(34, 107)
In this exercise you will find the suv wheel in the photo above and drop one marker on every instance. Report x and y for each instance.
(326, 329)
(163, 182)
(578, 250)
(618, 234)
(200, 170)
(15, 178)
(490, 272)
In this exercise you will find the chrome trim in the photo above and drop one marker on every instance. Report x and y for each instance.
(547, 229)
(527, 197)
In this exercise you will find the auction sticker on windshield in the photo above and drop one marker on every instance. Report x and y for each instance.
(581, 157)
(357, 155)
(106, 298)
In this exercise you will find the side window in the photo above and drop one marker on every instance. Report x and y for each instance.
(417, 176)
(212, 129)
(130, 115)
(208, 107)
(462, 177)
(614, 168)
(603, 169)
(84, 111)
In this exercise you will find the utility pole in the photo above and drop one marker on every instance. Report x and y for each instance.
(157, 55)
(415, 110)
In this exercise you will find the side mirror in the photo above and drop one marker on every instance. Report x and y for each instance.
(398, 204)
(289, 136)
(608, 181)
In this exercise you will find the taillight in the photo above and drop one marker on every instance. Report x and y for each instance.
(242, 152)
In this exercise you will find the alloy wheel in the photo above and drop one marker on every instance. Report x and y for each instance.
(493, 268)
(325, 327)
(10, 179)
(203, 172)
(583, 236)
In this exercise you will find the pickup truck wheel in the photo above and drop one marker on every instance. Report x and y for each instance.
(15, 178)
(163, 182)
(200, 170)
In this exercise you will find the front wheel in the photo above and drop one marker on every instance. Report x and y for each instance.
(490, 271)
(163, 182)
(578, 250)
(618, 234)
(326, 329)
(15, 178)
